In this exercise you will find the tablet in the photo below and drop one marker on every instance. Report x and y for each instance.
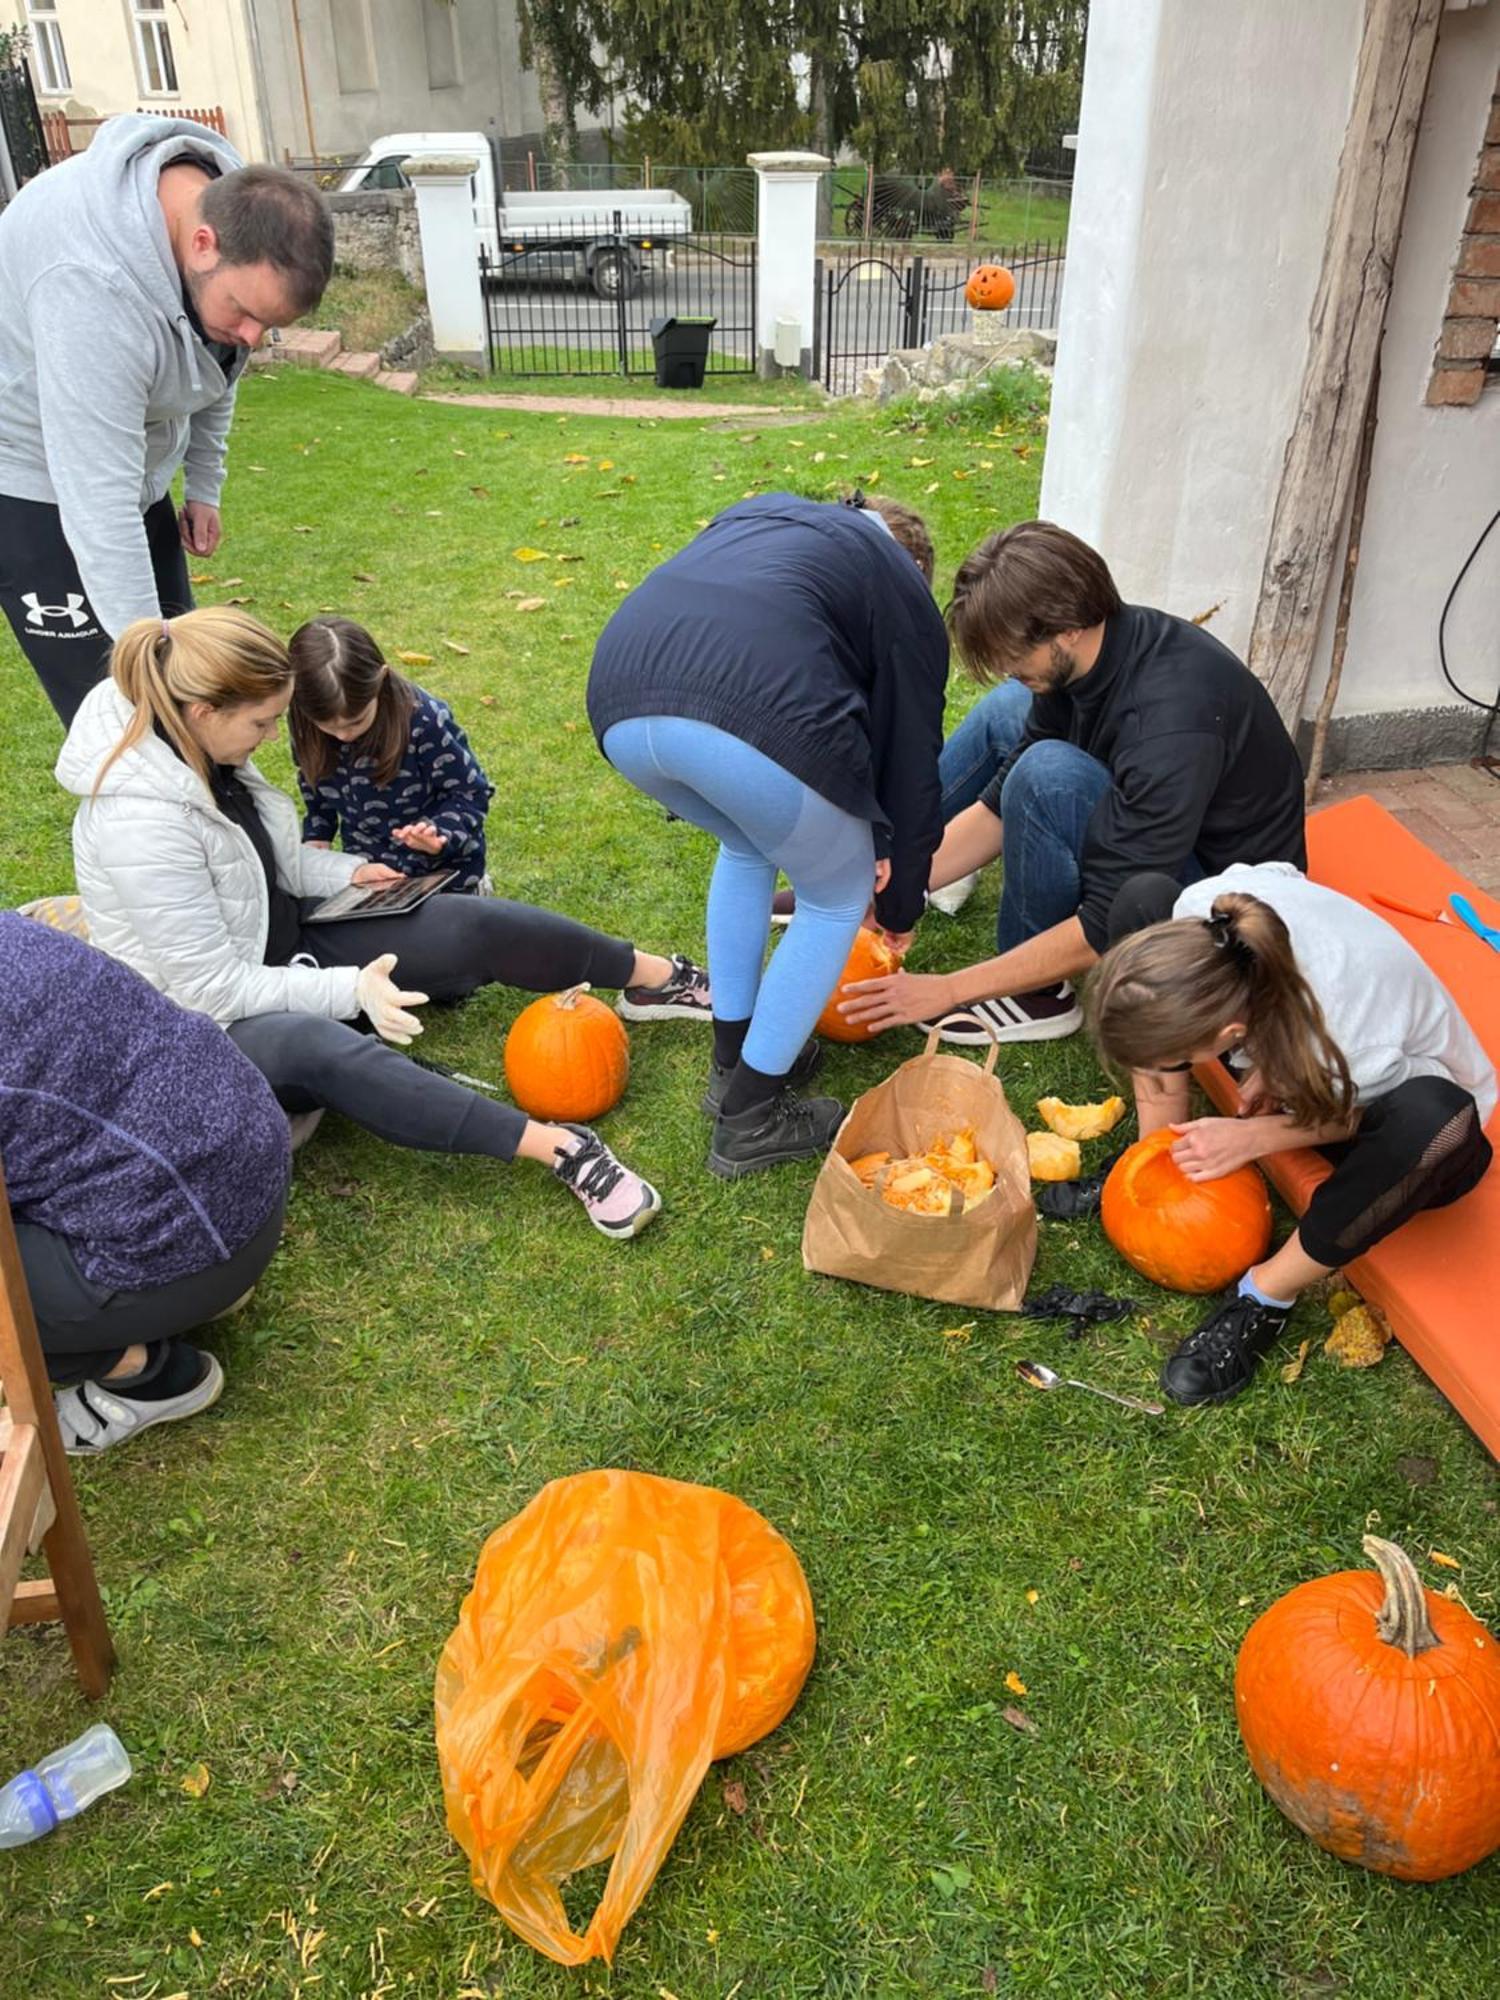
(380, 899)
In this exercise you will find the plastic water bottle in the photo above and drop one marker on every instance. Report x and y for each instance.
(62, 1785)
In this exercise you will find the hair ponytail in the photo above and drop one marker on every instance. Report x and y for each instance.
(217, 655)
(1174, 987)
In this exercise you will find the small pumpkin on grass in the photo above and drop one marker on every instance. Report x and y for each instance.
(1188, 1236)
(991, 287)
(870, 957)
(567, 1057)
(1370, 1709)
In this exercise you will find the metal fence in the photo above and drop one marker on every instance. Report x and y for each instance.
(25, 137)
(872, 303)
(581, 303)
(858, 203)
(723, 199)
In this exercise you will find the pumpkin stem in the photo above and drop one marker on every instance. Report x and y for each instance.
(1402, 1619)
(570, 998)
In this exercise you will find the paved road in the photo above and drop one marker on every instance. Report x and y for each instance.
(566, 329)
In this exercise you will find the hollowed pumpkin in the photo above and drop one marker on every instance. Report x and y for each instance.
(1189, 1236)
(567, 1057)
(990, 288)
(869, 958)
(1370, 1709)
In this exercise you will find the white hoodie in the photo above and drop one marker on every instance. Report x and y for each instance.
(105, 389)
(174, 888)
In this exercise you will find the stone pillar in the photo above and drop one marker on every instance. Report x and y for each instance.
(787, 184)
(450, 256)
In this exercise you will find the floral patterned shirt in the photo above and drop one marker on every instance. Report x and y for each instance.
(440, 780)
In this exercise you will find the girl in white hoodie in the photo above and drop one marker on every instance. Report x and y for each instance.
(191, 869)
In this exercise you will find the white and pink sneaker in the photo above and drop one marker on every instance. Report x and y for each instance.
(618, 1202)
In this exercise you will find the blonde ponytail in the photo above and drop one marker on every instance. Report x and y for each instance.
(1171, 989)
(217, 655)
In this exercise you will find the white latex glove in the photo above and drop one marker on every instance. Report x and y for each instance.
(385, 1004)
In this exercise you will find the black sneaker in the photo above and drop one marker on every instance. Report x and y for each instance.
(684, 996)
(1219, 1358)
(1043, 1016)
(786, 1128)
(803, 1070)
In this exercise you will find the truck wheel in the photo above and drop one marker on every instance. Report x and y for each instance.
(616, 275)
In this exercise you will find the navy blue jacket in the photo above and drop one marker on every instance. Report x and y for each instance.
(807, 631)
(439, 779)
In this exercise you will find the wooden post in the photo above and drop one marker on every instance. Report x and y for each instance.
(1346, 585)
(74, 1592)
(1395, 62)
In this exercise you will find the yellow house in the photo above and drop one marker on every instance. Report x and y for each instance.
(92, 58)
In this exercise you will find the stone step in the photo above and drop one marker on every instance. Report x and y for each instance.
(309, 347)
(363, 367)
(402, 380)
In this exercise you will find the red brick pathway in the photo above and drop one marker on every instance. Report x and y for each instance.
(1451, 808)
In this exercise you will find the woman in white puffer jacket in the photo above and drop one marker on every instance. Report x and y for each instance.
(192, 871)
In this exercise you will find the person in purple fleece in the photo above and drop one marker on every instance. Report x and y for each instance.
(146, 1162)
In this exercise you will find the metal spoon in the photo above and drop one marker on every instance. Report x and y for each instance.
(1042, 1377)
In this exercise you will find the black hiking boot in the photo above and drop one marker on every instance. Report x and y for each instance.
(785, 1128)
(804, 1068)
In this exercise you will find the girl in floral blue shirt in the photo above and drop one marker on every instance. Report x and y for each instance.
(381, 759)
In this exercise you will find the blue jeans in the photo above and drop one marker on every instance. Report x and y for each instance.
(764, 819)
(980, 745)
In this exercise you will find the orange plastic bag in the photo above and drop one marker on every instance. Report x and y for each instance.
(622, 1632)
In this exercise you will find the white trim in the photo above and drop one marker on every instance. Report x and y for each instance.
(153, 48)
(54, 78)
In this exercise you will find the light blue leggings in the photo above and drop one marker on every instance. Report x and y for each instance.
(764, 819)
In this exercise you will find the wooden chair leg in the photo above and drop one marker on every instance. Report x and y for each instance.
(73, 1594)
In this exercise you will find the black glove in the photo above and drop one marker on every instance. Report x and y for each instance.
(1079, 1309)
(1066, 1201)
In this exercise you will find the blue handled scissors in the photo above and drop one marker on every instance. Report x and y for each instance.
(1466, 913)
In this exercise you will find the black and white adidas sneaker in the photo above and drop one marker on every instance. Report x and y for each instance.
(1045, 1015)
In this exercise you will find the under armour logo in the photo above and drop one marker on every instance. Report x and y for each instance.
(38, 613)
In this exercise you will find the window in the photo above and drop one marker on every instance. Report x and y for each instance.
(51, 57)
(153, 48)
(386, 173)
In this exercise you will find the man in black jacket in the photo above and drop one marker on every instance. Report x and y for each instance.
(779, 682)
(1127, 740)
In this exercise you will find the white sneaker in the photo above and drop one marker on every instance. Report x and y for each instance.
(92, 1416)
(952, 899)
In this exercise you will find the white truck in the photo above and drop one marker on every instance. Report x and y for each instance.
(606, 237)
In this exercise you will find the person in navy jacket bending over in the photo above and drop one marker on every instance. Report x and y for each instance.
(779, 682)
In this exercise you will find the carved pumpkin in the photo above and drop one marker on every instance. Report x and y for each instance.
(567, 1057)
(1373, 1720)
(990, 288)
(869, 958)
(1190, 1236)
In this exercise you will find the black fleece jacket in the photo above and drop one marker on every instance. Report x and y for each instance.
(806, 630)
(1203, 769)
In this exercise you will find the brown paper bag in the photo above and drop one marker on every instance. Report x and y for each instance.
(981, 1256)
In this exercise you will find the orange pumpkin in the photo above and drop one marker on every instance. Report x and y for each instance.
(567, 1056)
(1190, 1236)
(1372, 1717)
(870, 958)
(991, 287)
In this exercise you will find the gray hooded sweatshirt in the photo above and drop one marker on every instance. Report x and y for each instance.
(105, 389)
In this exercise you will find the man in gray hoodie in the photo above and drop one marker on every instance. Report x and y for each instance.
(134, 280)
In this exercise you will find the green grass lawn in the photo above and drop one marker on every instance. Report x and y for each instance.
(1010, 212)
(439, 1337)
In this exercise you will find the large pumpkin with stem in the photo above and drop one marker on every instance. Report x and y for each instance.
(1371, 1711)
(990, 288)
(567, 1057)
(1190, 1236)
(870, 957)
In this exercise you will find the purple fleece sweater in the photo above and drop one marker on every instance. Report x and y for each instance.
(128, 1126)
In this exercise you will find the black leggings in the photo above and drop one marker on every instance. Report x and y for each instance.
(85, 1327)
(448, 948)
(42, 595)
(1420, 1146)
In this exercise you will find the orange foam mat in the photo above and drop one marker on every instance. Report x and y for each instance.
(1438, 1278)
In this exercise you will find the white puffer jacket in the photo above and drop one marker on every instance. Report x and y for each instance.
(174, 888)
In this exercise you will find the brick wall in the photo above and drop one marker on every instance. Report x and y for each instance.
(1473, 311)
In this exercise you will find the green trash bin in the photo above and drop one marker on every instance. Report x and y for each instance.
(681, 344)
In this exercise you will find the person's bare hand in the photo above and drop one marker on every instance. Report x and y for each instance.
(200, 527)
(896, 1000)
(1208, 1148)
(372, 874)
(421, 834)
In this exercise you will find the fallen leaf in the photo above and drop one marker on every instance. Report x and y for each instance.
(202, 577)
(531, 603)
(434, 513)
(415, 659)
(197, 1781)
(1442, 1561)
(531, 555)
(959, 1333)
(734, 1796)
(194, 1939)
(570, 556)
(933, 487)
(231, 582)
(567, 637)
(459, 454)
(1342, 1302)
(571, 727)
(1021, 450)
(1033, 1596)
(913, 461)
(152, 1894)
(960, 472)
(1019, 1719)
(1293, 1369)
(362, 576)
(1015, 1683)
(767, 1254)
(574, 521)
(480, 492)
(454, 647)
(486, 701)
(576, 458)
(255, 468)
(299, 529)
(606, 465)
(1359, 1339)
(986, 465)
